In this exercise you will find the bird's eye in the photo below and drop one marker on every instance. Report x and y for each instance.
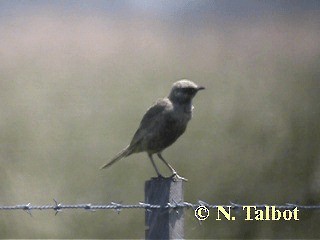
(189, 90)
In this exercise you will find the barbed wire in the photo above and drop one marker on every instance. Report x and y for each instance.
(58, 207)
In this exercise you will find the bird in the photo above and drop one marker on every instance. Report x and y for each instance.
(163, 123)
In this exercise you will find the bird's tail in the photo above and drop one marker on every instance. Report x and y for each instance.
(125, 152)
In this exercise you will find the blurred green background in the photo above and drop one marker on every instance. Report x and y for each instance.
(77, 76)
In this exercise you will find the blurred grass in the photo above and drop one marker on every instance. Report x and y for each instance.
(73, 90)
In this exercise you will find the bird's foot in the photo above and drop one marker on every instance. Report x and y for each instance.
(159, 177)
(176, 177)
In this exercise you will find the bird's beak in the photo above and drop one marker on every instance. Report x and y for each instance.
(200, 88)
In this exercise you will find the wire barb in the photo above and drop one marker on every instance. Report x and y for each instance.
(27, 208)
(57, 207)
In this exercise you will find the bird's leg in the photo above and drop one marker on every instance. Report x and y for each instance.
(154, 165)
(168, 165)
(174, 172)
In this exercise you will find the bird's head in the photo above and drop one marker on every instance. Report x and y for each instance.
(183, 91)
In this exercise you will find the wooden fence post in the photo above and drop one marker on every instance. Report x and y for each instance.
(164, 223)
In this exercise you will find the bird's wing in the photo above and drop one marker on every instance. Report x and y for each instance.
(150, 119)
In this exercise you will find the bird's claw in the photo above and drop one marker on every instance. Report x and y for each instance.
(176, 177)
